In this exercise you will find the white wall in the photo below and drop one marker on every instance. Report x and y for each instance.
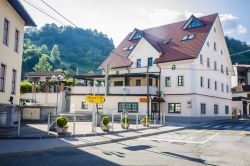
(8, 56)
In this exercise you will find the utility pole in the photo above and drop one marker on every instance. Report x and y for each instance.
(106, 79)
(147, 91)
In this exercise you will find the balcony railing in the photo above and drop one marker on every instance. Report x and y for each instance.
(113, 90)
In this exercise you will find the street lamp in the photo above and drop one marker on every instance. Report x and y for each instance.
(57, 78)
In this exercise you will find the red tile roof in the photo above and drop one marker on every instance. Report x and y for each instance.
(175, 50)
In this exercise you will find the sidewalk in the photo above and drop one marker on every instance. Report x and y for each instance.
(22, 146)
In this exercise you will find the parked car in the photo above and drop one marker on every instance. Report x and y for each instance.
(28, 102)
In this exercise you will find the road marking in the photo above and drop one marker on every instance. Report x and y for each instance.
(182, 141)
(238, 127)
(227, 127)
(215, 127)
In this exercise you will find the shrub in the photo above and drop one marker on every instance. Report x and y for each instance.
(125, 119)
(105, 120)
(61, 121)
(145, 120)
(25, 87)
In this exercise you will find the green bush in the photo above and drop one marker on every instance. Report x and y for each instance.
(145, 120)
(61, 121)
(126, 119)
(105, 120)
(25, 86)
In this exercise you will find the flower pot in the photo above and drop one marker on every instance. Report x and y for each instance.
(62, 130)
(125, 126)
(105, 128)
(146, 124)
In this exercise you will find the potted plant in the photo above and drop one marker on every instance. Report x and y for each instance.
(145, 121)
(104, 126)
(125, 122)
(61, 125)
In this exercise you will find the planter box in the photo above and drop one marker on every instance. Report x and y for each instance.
(125, 126)
(62, 130)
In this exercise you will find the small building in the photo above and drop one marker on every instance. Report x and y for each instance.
(13, 19)
(181, 70)
(241, 76)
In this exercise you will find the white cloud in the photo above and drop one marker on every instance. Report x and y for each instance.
(231, 25)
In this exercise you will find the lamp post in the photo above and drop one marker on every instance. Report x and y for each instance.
(57, 78)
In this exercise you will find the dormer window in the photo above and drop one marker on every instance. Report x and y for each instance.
(167, 41)
(188, 37)
(193, 22)
(137, 36)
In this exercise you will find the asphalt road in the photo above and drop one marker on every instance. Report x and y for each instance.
(185, 148)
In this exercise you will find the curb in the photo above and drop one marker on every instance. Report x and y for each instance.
(76, 135)
(88, 144)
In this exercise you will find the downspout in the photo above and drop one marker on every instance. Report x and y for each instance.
(159, 88)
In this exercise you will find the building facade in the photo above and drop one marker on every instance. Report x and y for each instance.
(13, 19)
(184, 68)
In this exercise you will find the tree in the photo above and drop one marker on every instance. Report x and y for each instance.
(42, 65)
(44, 49)
(55, 53)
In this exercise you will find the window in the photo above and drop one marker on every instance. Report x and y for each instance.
(203, 108)
(227, 89)
(138, 63)
(208, 83)
(130, 48)
(188, 37)
(222, 87)
(216, 109)
(129, 106)
(221, 52)
(215, 65)
(138, 82)
(84, 105)
(167, 41)
(214, 29)
(100, 106)
(226, 109)
(215, 85)
(221, 69)
(194, 23)
(201, 82)
(6, 32)
(174, 107)
(118, 83)
(201, 59)
(13, 82)
(137, 36)
(16, 41)
(208, 44)
(215, 46)
(167, 81)
(208, 62)
(180, 80)
(227, 70)
(150, 61)
(150, 81)
(2, 77)
(155, 107)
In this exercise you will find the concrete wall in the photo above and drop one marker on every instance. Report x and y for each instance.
(8, 56)
(9, 115)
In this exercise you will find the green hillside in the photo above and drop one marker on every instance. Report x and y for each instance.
(82, 49)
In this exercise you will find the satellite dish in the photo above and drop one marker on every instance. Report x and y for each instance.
(173, 67)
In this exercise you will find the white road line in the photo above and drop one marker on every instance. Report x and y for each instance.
(215, 127)
(226, 127)
(182, 141)
(238, 127)
(207, 126)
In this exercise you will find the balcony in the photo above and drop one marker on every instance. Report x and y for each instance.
(133, 90)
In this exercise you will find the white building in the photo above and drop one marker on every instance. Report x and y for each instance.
(189, 72)
(13, 19)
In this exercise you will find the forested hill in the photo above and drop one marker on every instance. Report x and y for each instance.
(236, 46)
(70, 49)
(65, 48)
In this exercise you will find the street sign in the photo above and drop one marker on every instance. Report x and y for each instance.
(95, 99)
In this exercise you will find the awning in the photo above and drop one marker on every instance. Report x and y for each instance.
(157, 100)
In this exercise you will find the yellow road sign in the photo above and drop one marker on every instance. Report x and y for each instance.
(95, 99)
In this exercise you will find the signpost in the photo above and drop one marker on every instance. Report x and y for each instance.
(95, 100)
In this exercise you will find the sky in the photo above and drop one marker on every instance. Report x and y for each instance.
(117, 18)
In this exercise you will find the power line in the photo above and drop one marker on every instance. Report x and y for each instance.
(59, 14)
(240, 52)
(37, 8)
